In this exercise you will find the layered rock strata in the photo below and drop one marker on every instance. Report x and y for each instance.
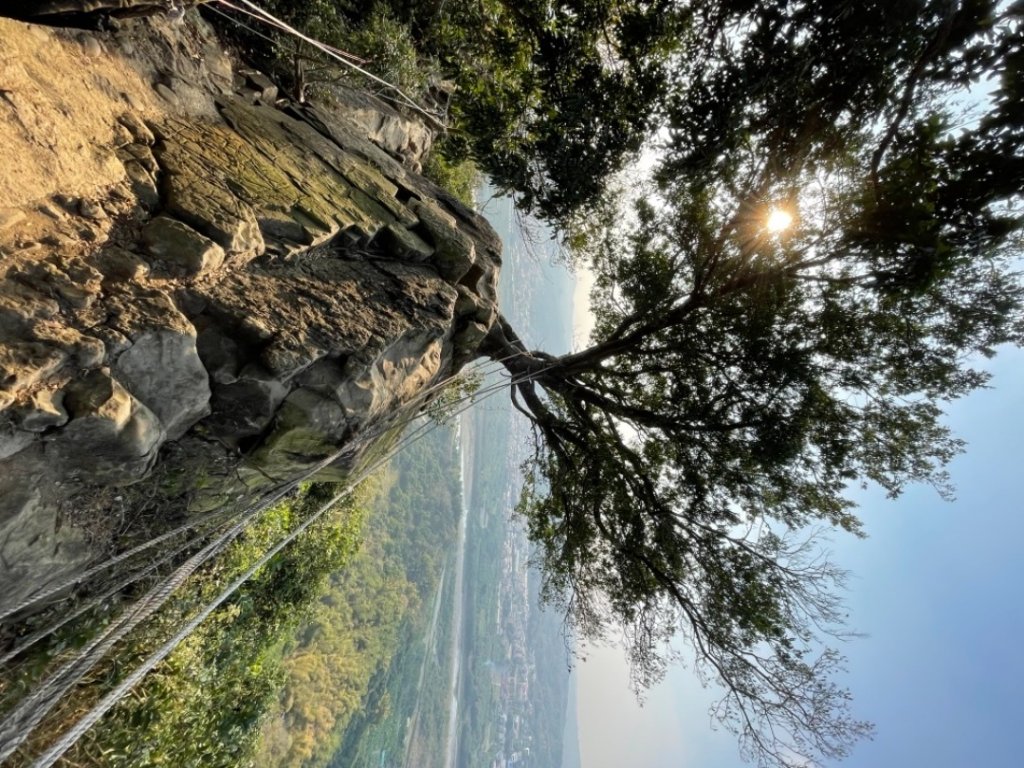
(262, 295)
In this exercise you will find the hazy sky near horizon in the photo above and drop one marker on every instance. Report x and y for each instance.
(936, 589)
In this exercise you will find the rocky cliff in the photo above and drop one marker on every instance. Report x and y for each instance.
(205, 293)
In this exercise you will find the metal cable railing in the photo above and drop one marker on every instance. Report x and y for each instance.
(18, 724)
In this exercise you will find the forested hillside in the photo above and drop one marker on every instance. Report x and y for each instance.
(275, 675)
(204, 705)
(371, 613)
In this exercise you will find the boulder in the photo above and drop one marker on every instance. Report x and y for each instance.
(122, 265)
(261, 295)
(474, 306)
(180, 246)
(141, 154)
(308, 432)
(469, 338)
(162, 369)
(402, 243)
(203, 200)
(454, 251)
(112, 438)
(35, 550)
(143, 185)
(261, 85)
(45, 409)
(137, 129)
(13, 440)
(245, 406)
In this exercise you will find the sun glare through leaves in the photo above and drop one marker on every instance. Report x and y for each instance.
(778, 220)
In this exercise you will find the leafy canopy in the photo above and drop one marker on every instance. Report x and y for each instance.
(549, 98)
(741, 381)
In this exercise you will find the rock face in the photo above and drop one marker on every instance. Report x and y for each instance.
(259, 299)
(64, 11)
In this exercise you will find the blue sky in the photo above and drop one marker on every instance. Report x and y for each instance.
(936, 587)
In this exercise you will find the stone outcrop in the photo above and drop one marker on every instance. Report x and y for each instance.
(81, 11)
(264, 293)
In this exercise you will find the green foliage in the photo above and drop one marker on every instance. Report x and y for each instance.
(550, 99)
(336, 668)
(383, 44)
(391, 51)
(203, 705)
(455, 396)
(553, 98)
(353, 631)
(459, 177)
(274, 675)
(741, 381)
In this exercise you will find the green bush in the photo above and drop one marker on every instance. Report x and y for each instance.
(391, 52)
(203, 705)
(460, 177)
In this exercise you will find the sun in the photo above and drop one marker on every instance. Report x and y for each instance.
(779, 220)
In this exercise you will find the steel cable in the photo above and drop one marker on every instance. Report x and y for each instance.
(18, 724)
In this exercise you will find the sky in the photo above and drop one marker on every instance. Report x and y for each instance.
(935, 587)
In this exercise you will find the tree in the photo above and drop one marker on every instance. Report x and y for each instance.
(740, 381)
(555, 97)
(550, 98)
